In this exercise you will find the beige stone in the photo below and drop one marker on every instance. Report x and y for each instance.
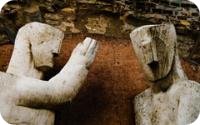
(55, 17)
(64, 26)
(30, 101)
(172, 99)
(35, 45)
(97, 25)
(70, 11)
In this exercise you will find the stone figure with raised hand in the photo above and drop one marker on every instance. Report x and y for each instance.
(172, 99)
(26, 100)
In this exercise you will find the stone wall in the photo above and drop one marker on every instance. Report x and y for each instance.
(114, 18)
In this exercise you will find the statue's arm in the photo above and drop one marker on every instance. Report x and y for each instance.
(64, 86)
(60, 89)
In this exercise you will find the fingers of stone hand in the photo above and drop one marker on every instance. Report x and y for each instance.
(91, 52)
(78, 49)
(91, 49)
(86, 44)
(87, 48)
(82, 47)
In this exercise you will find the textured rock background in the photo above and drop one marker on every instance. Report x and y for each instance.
(114, 79)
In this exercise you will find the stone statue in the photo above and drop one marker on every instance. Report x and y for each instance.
(27, 100)
(35, 46)
(172, 99)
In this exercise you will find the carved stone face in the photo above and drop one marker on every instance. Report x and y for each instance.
(154, 46)
(45, 43)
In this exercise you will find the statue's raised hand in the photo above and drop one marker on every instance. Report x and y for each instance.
(84, 53)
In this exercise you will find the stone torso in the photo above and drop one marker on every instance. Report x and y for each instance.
(178, 106)
(20, 115)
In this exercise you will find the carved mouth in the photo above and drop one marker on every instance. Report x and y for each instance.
(153, 65)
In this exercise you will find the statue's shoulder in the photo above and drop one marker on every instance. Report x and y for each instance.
(186, 88)
(189, 98)
(194, 84)
(145, 94)
(189, 85)
(143, 98)
(143, 105)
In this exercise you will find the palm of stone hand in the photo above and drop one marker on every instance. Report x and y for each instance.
(84, 53)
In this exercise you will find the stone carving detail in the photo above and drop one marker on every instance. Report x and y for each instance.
(172, 99)
(36, 43)
(24, 98)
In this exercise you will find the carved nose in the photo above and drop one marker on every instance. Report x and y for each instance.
(150, 52)
(154, 51)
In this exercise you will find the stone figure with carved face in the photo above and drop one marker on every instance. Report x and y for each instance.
(172, 99)
(24, 98)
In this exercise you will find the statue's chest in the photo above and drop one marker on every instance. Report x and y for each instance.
(27, 116)
(164, 108)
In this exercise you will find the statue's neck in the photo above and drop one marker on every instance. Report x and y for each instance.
(174, 75)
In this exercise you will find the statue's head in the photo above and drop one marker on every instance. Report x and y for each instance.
(154, 46)
(45, 42)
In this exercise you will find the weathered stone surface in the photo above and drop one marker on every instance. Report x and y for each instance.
(68, 23)
(25, 100)
(53, 16)
(68, 26)
(154, 47)
(172, 99)
(146, 10)
(3, 39)
(97, 25)
(35, 51)
(69, 11)
(185, 45)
